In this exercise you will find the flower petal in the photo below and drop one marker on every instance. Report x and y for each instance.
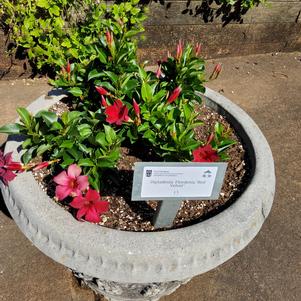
(81, 212)
(92, 195)
(78, 202)
(8, 158)
(62, 179)
(74, 171)
(101, 206)
(92, 216)
(82, 182)
(61, 192)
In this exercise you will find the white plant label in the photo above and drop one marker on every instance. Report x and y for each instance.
(184, 181)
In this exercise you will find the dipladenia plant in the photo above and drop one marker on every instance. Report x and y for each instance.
(115, 101)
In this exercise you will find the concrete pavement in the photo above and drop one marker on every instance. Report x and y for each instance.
(268, 88)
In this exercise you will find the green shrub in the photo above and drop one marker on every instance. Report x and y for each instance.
(55, 31)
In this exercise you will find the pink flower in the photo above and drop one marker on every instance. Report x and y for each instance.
(90, 206)
(179, 50)
(198, 48)
(205, 154)
(136, 108)
(174, 95)
(6, 167)
(102, 91)
(117, 113)
(70, 182)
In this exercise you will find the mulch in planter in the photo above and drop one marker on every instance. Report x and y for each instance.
(136, 216)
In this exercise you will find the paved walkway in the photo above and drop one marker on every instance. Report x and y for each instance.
(268, 87)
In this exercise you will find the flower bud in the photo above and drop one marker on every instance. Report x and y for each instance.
(198, 48)
(103, 101)
(136, 108)
(174, 95)
(102, 91)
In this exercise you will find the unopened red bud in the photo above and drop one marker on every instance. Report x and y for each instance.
(103, 101)
(102, 91)
(136, 108)
(174, 95)
(198, 48)
(68, 68)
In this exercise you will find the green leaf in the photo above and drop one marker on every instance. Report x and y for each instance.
(84, 130)
(112, 76)
(94, 74)
(85, 149)
(56, 126)
(43, 148)
(24, 116)
(110, 134)
(101, 139)
(26, 143)
(55, 10)
(42, 3)
(146, 92)
(85, 162)
(27, 156)
(67, 144)
(48, 117)
(10, 129)
(77, 92)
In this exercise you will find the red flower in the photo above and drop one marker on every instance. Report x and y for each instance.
(102, 91)
(6, 167)
(205, 154)
(198, 48)
(174, 95)
(117, 113)
(70, 182)
(136, 108)
(90, 206)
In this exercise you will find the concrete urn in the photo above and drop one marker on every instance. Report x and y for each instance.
(146, 265)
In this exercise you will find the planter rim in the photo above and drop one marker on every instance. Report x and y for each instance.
(143, 257)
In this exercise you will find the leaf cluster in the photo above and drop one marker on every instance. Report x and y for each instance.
(75, 137)
(55, 31)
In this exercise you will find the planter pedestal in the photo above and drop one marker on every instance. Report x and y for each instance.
(144, 266)
(116, 291)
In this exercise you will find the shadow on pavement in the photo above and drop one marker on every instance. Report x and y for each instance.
(3, 207)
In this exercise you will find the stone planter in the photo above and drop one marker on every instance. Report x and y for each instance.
(145, 266)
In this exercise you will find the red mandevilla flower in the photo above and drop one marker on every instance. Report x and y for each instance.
(205, 154)
(136, 108)
(70, 182)
(6, 167)
(90, 206)
(102, 91)
(174, 95)
(117, 113)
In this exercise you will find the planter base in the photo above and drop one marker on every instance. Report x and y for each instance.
(117, 291)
